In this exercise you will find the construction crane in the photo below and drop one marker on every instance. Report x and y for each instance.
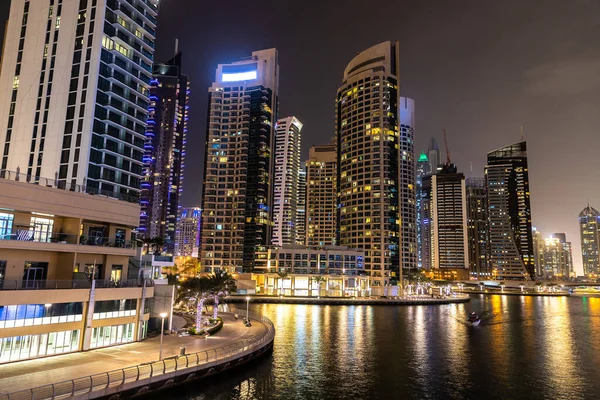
(447, 150)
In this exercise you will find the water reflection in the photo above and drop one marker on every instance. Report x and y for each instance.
(526, 348)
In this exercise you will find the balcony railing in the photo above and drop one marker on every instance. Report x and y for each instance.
(55, 183)
(42, 284)
(29, 235)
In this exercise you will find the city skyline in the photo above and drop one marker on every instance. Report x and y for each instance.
(495, 82)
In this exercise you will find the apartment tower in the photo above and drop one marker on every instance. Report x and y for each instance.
(321, 199)
(589, 221)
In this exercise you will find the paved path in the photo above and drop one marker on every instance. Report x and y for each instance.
(32, 373)
(391, 301)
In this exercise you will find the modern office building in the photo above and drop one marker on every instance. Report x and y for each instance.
(423, 169)
(187, 232)
(477, 227)
(407, 184)
(74, 92)
(342, 269)
(321, 198)
(538, 251)
(66, 281)
(589, 221)
(301, 210)
(237, 185)
(165, 152)
(368, 143)
(558, 258)
(288, 139)
(510, 234)
(449, 258)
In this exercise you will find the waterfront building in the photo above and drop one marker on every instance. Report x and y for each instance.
(66, 280)
(558, 258)
(321, 199)
(286, 177)
(449, 257)
(367, 133)
(407, 184)
(538, 251)
(301, 211)
(74, 85)
(290, 270)
(187, 232)
(589, 220)
(477, 227)
(164, 153)
(423, 242)
(510, 235)
(237, 185)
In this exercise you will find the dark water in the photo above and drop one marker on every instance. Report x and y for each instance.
(525, 348)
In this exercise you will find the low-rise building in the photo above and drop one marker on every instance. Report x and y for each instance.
(65, 278)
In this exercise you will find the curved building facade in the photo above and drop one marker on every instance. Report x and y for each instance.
(367, 132)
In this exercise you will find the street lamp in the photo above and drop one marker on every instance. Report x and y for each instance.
(162, 331)
(247, 309)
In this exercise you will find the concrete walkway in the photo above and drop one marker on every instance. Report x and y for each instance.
(38, 372)
(391, 301)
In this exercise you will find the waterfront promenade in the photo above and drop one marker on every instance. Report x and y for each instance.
(28, 374)
(390, 301)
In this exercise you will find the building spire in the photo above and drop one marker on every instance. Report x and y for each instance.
(176, 46)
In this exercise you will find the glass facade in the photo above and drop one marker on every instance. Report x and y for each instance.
(110, 335)
(31, 346)
(12, 316)
(115, 308)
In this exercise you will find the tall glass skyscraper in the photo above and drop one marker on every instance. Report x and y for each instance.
(165, 152)
(407, 183)
(368, 143)
(589, 222)
(511, 252)
(74, 92)
(237, 195)
(477, 228)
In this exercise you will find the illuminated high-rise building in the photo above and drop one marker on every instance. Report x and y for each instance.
(407, 184)
(368, 145)
(74, 92)
(237, 191)
(589, 222)
(538, 251)
(301, 211)
(286, 176)
(433, 155)
(511, 252)
(165, 152)
(477, 227)
(321, 175)
(187, 232)
(558, 259)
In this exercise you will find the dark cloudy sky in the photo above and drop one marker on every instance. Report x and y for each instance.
(479, 68)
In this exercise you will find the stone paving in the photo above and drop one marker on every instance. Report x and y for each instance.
(32, 373)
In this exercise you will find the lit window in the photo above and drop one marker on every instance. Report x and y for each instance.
(108, 43)
(57, 22)
(16, 82)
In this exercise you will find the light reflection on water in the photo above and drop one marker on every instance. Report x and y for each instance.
(525, 348)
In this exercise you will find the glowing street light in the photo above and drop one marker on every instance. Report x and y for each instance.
(162, 331)
(247, 309)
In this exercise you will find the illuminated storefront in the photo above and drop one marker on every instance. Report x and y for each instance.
(31, 346)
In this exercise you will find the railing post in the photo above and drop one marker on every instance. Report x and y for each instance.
(138, 374)
(72, 387)
(123, 370)
(53, 390)
(107, 379)
(91, 384)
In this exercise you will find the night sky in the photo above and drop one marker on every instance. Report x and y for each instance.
(480, 69)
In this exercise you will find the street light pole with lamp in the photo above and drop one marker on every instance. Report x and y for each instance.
(162, 331)
(247, 310)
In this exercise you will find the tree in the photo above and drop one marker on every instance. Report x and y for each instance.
(221, 284)
(198, 290)
(319, 280)
(282, 275)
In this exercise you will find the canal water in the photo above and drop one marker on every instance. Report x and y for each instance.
(525, 348)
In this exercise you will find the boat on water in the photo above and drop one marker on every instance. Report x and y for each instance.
(474, 319)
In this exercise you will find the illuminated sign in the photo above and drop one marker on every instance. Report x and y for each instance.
(239, 72)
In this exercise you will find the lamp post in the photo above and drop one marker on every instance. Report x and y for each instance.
(162, 331)
(247, 309)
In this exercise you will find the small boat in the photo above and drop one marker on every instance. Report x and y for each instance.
(474, 319)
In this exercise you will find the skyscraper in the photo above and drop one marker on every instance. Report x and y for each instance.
(423, 169)
(165, 152)
(187, 232)
(407, 184)
(321, 173)
(237, 191)
(449, 243)
(301, 212)
(477, 227)
(558, 258)
(368, 130)
(538, 251)
(589, 220)
(433, 154)
(510, 235)
(74, 92)
(288, 138)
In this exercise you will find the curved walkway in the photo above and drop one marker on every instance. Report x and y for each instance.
(24, 375)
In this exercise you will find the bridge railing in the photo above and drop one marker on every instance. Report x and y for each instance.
(98, 382)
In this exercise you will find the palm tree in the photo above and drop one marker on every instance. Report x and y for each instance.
(319, 280)
(198, 290)
(221, 283)
(282, 275)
